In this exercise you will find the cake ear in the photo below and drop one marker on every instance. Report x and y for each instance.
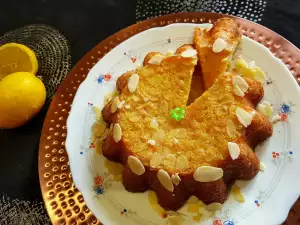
(255, 92)
(123, 80)
(153, 58)
(183, 48)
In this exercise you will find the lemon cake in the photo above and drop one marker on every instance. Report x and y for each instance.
(178, 150)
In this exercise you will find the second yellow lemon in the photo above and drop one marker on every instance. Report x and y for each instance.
(22, 96)
(17, 58)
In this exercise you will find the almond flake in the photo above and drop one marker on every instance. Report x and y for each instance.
(234, 150)
(98, 113)
(189, 53)
(243, 116)
(169, 160)
(240, 86)
(265, 108)
(275, 118)
(151, 142)
(146, 99)
(175, 179)
(135, 98)
(169, 53)
(207, 174)
(121, 104)
(262, 167)
(219, 45)
(181, 162)
(259, 75)
(237, 91)
(117, 132)
(175, 140)
(136, 165)
(156, 160)
(230, 128)
(127, 106)
(165, 180)
(156, 59)
(133, 82)
(154, 123)
(114, 104)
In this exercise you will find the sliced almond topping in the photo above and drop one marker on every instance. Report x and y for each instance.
(181, 162)
(207, 174)
(275, 118)
(98, 113)
(240, 86)
(181, 82)
(151, 142)
(156, 59)
(175, 141)
(135, 98)
(169, 160)
(262, 167)
(243, 116)
(133, 82)
(146, 99)
(234, 150)
(114, 104)
(175, 178)
(159, 136)
(215, 206)
(219, 45)
(189, 53)
(120, 105)
(237, 91)
(154, 123)
(117, 132)
(98, 128)
(136, 165)
(165, 180)
(169, 53)
(230, 128)
(127, 106)
(265, 108)
(156, 160)
(259, 75)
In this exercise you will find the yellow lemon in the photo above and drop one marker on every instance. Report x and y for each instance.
(22, 95)
(17, 58)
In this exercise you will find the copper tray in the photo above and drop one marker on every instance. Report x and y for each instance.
(64, 203)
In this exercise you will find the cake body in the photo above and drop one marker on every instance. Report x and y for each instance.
(198, 150)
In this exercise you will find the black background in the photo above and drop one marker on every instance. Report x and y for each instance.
(84, 24)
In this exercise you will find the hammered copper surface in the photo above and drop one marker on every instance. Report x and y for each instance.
(64, 202)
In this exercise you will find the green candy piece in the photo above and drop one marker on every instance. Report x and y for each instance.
(178, 113)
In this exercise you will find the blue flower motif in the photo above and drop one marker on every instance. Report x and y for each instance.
(100, 79)
(285, 108)
(99, 190)
(228, 222)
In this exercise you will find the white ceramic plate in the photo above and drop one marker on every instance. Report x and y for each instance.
(269, 196)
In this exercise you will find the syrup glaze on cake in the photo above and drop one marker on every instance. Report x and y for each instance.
(201, 154)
